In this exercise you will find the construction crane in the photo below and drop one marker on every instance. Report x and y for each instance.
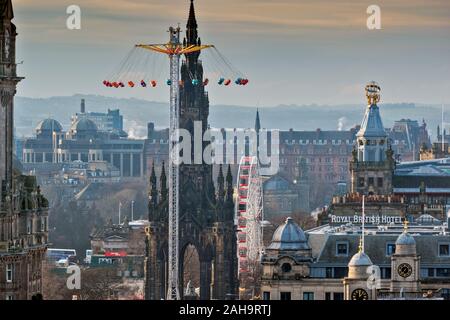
(174, 49)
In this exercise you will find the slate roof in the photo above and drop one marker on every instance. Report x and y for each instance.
(375, 248)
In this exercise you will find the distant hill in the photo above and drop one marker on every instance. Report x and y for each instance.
(29, 111)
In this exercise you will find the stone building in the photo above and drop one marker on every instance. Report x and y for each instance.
(373, 158)
(330, 262)
(424, 186)
(156, 148)
(409, 263)
(120, 246)
(23, 209)
(327, 153)
(52, 148)
(111, 121)
(283, 197)
(438, 150)
(407, 189)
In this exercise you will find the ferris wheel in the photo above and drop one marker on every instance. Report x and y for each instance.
(249, 214)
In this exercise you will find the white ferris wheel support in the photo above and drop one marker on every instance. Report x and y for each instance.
(249, 214)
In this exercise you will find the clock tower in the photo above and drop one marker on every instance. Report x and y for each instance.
(23, 209)
(405, 264)
(373, 163)
(355, 284)
(8, 83)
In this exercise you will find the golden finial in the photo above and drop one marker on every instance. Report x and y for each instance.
(373, 93)
(360, 248)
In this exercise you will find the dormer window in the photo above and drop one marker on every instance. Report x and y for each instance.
(342, 249)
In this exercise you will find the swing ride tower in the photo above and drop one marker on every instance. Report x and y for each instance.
(190, 212)
(174, 49)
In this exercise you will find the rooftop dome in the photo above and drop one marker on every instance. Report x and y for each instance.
(357, 267)
(289, 236)
(405, 239)
(49, 125)
(360, 259)
(84, 125)
(405, 244)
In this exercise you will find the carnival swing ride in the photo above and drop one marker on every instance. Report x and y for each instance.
(142, 68)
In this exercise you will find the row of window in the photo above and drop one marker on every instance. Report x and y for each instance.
(44, 225)
(370, 182)
(286, 295)
(437, 272)
(342, 249)
(320, 142)
(430, 200)
(314, 152)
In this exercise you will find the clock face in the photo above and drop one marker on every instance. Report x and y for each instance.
(404, 270)
(360, 294)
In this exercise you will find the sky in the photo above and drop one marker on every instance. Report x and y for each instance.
(292, 51)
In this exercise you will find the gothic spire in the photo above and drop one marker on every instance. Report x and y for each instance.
(191, 26)
(163, 180)
(192, 21)
(153, 187)
(229, 185)
(221, 185)
(6, 10)
(257, 122)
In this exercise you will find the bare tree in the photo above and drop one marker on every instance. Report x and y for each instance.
(54, 285)
(99, 284)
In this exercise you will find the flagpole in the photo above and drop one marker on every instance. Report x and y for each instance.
(443, 130)
(363, 222)
(120, 208)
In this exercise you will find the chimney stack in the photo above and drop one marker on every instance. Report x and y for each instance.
(150, 130)
(83, 106)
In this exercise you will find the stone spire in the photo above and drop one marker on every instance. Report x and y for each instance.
(163, 180)
(153, 188)
(257, 122)
(191, 26)
(372, 126)
(221, 186)
(372, 137)
(230, 190)
(6, 10)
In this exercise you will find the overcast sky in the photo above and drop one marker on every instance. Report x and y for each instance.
(293, 51)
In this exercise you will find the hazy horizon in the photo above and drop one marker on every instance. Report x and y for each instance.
(293, 52)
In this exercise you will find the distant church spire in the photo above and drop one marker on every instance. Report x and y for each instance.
(229, 185)
(221, 185)
(163, 180)
(154, 188)
(257, 122)
(191, 26)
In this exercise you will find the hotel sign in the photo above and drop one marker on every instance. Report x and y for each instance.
(369, 219)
